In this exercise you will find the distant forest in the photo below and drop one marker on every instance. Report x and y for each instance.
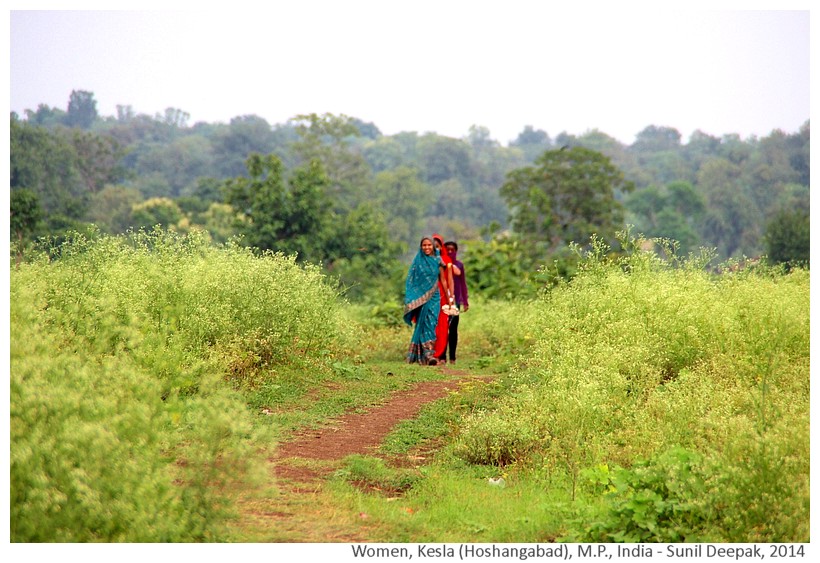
(337, 192)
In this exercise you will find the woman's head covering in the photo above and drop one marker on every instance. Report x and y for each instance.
(445, 256)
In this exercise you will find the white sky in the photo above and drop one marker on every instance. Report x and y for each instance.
(429, 66)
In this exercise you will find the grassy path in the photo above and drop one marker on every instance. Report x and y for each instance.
(301, 503)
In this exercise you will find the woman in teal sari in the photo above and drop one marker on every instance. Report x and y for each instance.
(421, 304)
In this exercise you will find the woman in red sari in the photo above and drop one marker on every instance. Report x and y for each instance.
(447, 290)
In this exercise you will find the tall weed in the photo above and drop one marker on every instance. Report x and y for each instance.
(126, 353)
(638, 355)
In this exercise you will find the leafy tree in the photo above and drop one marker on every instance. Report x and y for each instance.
(110, 209)
(769, 172)
(275, 216)
(385, 153)
(409, 142)
(733, 149)
(700, 148)
(151, 184)
(800, 153)
(660, 157)
(308, 213)
(233, 144)
(181, 162)
(46, 164)
(198, 206)
(673, 211)
(82, 109)
(125, 113)
(363, 256)
(732, 222)
(26, 214)
(259, 199)
(600, 142)
(787, 237)
(326, 138)
(484, 205)
(479, 138)
(366, 130)
(657, 139)
(502, 268)
(219, 220)
(566, 196)
(156, 211)
(442, 158)
(46, 116)
(404, 199)
(175, 117)
(532, 143)
(532, 137)
(99, 159)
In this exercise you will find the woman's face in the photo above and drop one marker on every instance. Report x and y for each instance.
(427, 246)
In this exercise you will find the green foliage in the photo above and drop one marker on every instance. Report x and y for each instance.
(326, 138)
(499, 441)
(567, 196)
(788, 238)
(673, 211)
(373, 473)
(26, 214)
(508, 267)
(87, 441)
(405, 199)
(161, 211)
(637, 354)
(231, 145)
(744, 181)
(110, 209)
(46, 163)
(532, 142)
(362, 255)
(82, 109)
(356, 247)
(443, 159)
(122, 425)
(290, 218)
(662, 500)
(742, 495)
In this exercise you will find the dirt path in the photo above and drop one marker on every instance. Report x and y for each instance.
(301, 511)
(361, 433)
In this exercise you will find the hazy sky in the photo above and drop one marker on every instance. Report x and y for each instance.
(429, 66)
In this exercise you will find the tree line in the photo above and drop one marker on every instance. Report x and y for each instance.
(337, 191)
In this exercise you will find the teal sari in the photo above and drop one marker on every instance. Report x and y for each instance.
(421, 304)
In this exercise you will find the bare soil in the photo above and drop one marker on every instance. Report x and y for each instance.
(358, 433)
(301, 511)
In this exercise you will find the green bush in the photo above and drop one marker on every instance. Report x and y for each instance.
(745, 495)
(94, 446)
(123, 424)
(662, 500)
(637, 355)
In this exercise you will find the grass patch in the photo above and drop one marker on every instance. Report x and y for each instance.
(452, 504)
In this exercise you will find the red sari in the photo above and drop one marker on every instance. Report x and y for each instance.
(443, 325)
